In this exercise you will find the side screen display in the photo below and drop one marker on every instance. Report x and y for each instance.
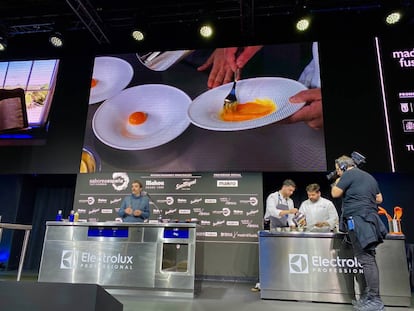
(26, 93)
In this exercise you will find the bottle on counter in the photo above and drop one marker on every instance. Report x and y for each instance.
(59, 215)
(76, 217)
(72, 216)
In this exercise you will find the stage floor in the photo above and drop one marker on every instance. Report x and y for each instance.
(213, 296)
(230, 296)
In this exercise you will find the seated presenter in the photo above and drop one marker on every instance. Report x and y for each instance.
(318, 211)
(135, 207)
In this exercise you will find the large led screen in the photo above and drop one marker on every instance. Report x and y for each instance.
(163, 111)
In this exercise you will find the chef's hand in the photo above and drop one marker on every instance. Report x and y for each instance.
(237, 57)
(288, 211)
(221, 72)
(225, 62)
(311, 113)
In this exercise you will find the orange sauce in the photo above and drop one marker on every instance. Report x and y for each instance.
(94, 82)
(249, 110)
(137, 118)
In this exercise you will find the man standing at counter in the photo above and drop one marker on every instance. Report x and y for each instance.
(319, 212)
(280, 210)
(135, 207)
(279, 206)
(361, 195)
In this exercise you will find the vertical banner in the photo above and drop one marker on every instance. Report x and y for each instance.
(227, 206)
(397, 67)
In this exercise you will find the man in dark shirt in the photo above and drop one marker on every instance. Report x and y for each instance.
(361, 196)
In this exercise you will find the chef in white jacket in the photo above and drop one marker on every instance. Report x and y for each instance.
(318, 211)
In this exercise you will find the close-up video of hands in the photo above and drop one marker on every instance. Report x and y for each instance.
(225, 61)
(311, 113)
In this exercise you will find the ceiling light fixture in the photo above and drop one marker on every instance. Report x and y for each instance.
(3, 44)
(56, 39)
(138, 35)
(393, 18)
(206, 31)
(303, 24)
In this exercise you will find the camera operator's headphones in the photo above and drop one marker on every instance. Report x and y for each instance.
(344, 164)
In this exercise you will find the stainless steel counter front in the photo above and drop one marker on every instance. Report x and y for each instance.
(124, 258)
(313, 266)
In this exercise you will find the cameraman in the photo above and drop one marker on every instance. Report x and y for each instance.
(361, 194)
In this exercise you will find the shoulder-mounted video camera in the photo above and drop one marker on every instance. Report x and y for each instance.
(358, 159)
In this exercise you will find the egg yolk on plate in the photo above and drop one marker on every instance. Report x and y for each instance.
(87, 164)
(137, 118)
(94, 82)
(248, 111)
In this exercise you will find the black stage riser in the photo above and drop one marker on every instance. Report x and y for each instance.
(41, 296)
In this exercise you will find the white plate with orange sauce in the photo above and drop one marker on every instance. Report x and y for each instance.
(110, 76)
(205, 110)
(142, 117)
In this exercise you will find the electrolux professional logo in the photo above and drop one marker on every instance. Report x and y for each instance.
(298, 263)
(72, 259)
(304, 263)
(68, 259)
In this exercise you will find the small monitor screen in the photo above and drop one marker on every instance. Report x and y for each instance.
(176, 233)
(108, 232)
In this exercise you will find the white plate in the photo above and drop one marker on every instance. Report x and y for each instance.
(113, 75)
(204, 110)
(165, 105)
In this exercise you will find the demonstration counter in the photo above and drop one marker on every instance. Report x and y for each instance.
(124, 258)
(316, 266)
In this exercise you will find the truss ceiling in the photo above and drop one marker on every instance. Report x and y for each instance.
(104, 20)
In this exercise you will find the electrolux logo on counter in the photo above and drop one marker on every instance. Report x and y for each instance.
(300, 264)
(72, 259)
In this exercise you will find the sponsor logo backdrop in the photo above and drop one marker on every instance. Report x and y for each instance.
(227, 206)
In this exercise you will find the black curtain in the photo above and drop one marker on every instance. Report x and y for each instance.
(32, 199)
(48, 201)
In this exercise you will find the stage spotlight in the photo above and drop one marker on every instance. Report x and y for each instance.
(393, 18)
(56, 39)
(206, 31)
(3, 43)
(303, 24)
(138, 35)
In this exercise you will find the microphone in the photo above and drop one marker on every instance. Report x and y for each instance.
(145, 193)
